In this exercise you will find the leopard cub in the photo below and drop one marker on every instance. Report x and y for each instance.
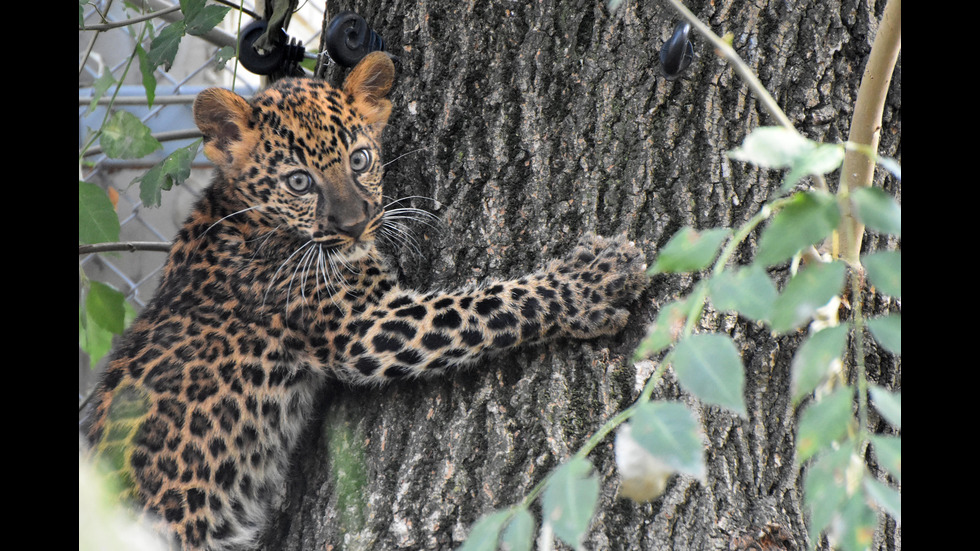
(274, 287)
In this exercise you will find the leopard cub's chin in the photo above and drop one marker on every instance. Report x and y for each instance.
(358, 250)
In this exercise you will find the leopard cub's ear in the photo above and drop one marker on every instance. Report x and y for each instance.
(222, 116)
(368, 84)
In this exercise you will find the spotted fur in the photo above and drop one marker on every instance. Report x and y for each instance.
(273, 287)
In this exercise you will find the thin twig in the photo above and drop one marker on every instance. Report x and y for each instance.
(128, 246)
(743, 70)
(140, 19)
(159, 136)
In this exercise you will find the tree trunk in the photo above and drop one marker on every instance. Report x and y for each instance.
(526, 125)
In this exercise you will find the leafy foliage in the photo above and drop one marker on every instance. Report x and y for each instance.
(663, 438)
(122, 135)
(162, 176)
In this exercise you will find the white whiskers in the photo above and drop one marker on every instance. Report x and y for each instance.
(395, 230)
(223, 218)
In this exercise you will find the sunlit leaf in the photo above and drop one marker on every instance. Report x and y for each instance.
(772, 147)
(820, 159)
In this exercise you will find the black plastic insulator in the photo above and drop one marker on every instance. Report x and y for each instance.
(678, 52)
(349, 39)
(278, 59)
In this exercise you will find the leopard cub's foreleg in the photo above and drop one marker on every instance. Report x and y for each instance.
(583, 295)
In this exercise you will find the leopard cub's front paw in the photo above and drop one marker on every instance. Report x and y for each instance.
(599, 279)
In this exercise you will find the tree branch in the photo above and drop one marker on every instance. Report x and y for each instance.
(129, 246)
(858, 168)
(140, 19)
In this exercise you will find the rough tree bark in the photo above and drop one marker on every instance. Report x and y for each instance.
(529, 124)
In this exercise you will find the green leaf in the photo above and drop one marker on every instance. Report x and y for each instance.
(815, 358)
(223, 56)
(709, 366)
(486, 531)
(748, 291)
(669, 325)
(689, 250)
(856, 529)
(569, 500)
(878, 210)
(643, 477)
(779, 147)
(201, 18)
(97, 219)
(888, 451)
(885, 497)
(811, 289)
(807, 219)
(147, 70)
(772, 147)
(888, 404)
(671, 433)
(519, 534)
(125, 137)
(887, 330)
(163, 48)
(885, 271)
(164, 175)
(99, 88)
(824, 488)
(105, 307)
(820, 159)
(824, 422)
(92, 339)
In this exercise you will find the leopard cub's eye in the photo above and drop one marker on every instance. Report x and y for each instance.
(360, 160)
(299, 182)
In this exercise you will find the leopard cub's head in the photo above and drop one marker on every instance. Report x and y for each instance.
(305, 154)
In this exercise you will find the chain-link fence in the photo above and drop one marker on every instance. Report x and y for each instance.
(111, 46)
